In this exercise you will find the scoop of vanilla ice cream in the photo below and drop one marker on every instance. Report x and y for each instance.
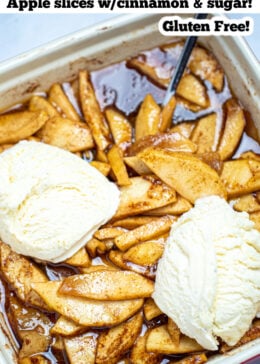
(208, 279)
(51, 201)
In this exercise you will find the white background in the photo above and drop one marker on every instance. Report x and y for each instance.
(22, 32)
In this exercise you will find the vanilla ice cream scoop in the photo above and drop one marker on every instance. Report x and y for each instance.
(208, 280)
(51, 201)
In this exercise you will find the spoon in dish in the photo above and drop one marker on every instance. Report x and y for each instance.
(182, 62)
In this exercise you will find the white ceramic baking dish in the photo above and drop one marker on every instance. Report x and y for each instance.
(107, 43)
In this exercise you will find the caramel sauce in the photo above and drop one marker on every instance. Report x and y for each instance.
(125, 88)
(56, 272)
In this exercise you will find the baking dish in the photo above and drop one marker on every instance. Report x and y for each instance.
(98, 47)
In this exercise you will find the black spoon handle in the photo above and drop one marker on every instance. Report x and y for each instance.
(182, 62)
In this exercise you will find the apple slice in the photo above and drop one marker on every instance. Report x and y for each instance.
(184, 172)
(107, 285)
(234, 127)
(86, 312)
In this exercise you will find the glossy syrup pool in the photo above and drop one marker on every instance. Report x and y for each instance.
(125, 88)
